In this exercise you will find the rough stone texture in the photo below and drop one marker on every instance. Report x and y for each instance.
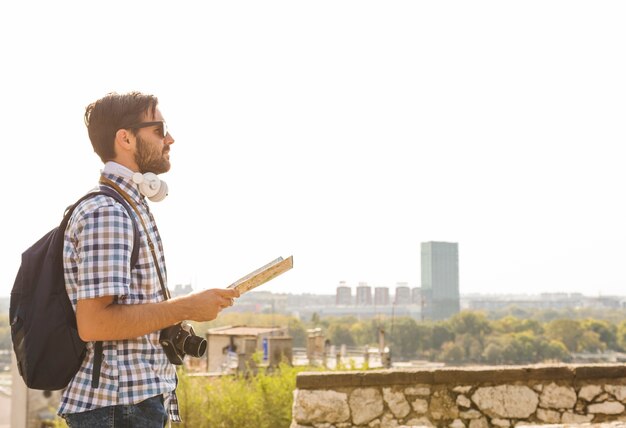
(463, 401)
(606, 408)
(320, 406)
(550, 416)
(462, 389)
(457, 423)
(470, 414)
(443, 406)
(618, 391)
(558, 396)
(506, 401)
(420, 405)
(418, 422)
(419, 390)
(589, 392)
(573, 418)
(365, 404)
(388, 421)
(554, 396)
(397, 402)
(479, 423)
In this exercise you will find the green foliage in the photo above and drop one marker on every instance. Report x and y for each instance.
(340, 334)
(404, 340)
(5, 332)
(263, 401)
(567, 331)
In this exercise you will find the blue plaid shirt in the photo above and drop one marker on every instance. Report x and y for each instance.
(96, 260)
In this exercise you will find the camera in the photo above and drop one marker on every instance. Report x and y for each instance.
(179, 340)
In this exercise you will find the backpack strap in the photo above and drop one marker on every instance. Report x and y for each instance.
(107, 191)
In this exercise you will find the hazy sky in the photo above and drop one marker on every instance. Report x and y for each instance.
(344, 133)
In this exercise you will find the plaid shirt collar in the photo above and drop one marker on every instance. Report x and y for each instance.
(123, 177)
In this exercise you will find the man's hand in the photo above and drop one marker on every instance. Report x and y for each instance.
(205, 305)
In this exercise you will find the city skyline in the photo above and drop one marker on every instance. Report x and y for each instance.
(342, 133)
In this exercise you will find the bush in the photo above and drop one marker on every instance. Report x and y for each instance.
(263, 401)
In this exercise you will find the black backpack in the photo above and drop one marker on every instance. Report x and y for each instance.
(47, 347)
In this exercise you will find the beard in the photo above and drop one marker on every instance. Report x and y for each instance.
(151, 158)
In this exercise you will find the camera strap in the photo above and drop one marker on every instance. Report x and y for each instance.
(118, 189)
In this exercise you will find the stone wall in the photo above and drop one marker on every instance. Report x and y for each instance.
(473, 397)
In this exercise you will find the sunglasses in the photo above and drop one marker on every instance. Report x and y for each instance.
(160, 123)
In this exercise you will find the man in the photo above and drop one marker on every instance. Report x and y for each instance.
(121, 305)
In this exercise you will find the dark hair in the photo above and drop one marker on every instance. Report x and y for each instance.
(115, 111)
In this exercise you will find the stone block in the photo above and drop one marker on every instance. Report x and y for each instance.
(418, 423)
(463, 401)
(549, 416)
(396, 402)
(506, 401)
(574, 418)
(606, 408)
(366, 404)
(554, 396)
(388, 421)
(470, 414)
(617, 391)
(457, 423)
(443, 406)
(419, 390)
(479, 423)
(589, 392)
(420, 406)
(320, 406)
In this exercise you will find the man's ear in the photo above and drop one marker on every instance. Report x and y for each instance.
(123, 140)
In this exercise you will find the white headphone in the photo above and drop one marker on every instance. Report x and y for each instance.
(151, 186)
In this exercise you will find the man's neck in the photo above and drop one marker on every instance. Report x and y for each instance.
(112, 167)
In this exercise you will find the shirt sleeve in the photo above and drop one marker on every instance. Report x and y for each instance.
(104, 243)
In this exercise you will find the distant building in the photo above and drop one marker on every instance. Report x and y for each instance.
(363, 294)
(403, 294)
(229, 346)
(381, 296)
(440, 279)
(416, 296)
(344, 295)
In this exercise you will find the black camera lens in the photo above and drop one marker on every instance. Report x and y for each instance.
(194, 346)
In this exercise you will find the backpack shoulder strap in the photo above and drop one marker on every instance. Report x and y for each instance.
(107, 191)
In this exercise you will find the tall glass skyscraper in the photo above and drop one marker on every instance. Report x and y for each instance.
(440, 279)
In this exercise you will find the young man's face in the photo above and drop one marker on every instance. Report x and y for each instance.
(153, 147)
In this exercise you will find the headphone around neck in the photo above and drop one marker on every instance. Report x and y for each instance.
(151, 186)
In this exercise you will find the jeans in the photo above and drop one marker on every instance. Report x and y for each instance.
(149, 413)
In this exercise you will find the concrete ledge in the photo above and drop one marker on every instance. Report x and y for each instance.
(460, 375)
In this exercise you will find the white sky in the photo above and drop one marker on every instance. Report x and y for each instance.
(344, 133)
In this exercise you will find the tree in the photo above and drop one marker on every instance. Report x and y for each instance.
(568, 331)
(340, 334)
(297, 332)
(493, 353)
(471, 323)
(607, 332)
(510, 324)
(452, 353)
(442, 333)
(404, 337)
